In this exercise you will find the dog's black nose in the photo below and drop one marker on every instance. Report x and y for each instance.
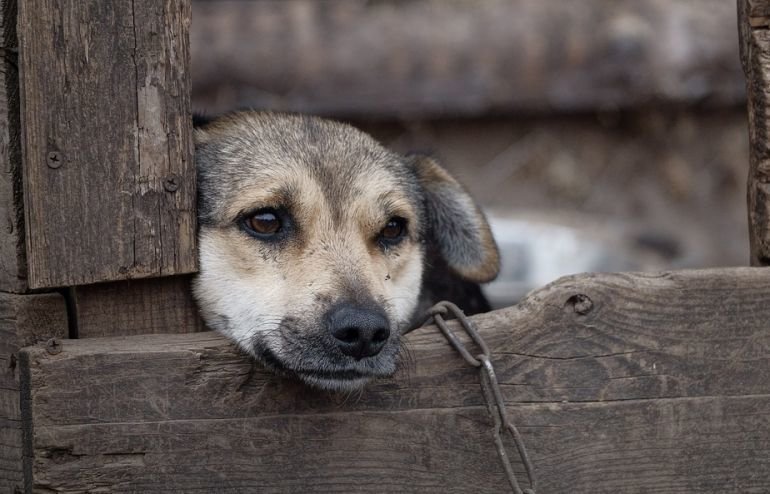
(359, 332)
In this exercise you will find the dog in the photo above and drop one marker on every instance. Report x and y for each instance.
(319, 247)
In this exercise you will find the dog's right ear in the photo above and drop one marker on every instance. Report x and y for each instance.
(456, 223)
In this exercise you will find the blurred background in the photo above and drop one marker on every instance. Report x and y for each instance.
(599, 135)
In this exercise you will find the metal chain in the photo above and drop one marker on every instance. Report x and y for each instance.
(490, 390)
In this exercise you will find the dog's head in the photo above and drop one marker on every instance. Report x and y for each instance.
(313, 240)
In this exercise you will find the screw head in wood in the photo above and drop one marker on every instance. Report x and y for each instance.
(54, 159)
(53, 346)
(171, 183)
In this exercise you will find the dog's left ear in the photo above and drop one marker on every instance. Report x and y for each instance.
(456, 223)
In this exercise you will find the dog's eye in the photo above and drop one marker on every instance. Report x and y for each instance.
(394, 231)
(264, 223)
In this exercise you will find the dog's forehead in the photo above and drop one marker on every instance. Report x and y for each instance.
(249, 152)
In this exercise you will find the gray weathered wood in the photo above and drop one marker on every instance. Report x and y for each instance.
(24, 320)
(122, 308)
(753, 25)
(13, 270)
(756, 9)
(423, 58)
(619, 383)
(109, 180)
(700, 445)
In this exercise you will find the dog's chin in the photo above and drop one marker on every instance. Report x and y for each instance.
(329, 383)
(330, 376)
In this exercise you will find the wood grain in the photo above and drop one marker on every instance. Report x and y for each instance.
(429, 58)
(24, 320)
(674, 445)
(109, 180)
(123, 308)
(755, 57)
(13, 269)
(756, 9)
(619, 383)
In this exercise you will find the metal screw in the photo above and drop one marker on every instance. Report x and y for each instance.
(171, 183)
(54, 159)
(53, 346)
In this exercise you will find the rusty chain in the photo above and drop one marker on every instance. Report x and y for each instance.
(490, 390)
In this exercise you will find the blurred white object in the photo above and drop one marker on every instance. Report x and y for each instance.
(537, 248)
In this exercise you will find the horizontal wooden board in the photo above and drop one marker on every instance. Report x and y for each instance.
(619, 383)
(123, 308)
(427, 58)
(109, 179)
(672, 446)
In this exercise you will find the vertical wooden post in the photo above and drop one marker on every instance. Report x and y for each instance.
(13, 271)
(109, 180)
(754, 27)
(24, 320)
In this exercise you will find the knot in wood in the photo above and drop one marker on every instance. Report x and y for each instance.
(53, 346)
(580, 303)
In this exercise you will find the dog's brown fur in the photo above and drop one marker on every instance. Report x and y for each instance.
(338, 188)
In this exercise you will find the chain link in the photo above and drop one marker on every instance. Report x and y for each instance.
(490, 390)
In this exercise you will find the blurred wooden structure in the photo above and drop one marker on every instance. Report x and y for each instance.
(432, 58)
(658, 382)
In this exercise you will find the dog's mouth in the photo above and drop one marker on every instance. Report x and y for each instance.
(345, 380)
(331, 376)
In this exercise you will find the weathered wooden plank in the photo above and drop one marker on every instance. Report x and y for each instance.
(123, 308)
(109, 180)
(755, 57)
(701, 445)
(756, 10)
(423, 58)
(24, 320)
(620, 383)
(13, 270)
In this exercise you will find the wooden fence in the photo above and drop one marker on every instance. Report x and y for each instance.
(436, 58)
(654, 383)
